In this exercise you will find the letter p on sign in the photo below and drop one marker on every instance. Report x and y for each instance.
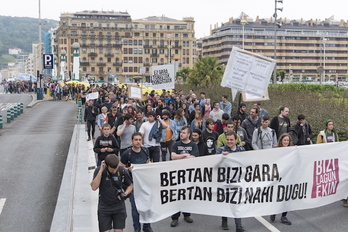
(48, 61)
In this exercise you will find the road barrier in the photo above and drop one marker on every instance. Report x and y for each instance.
(79, 111)
(9, 118)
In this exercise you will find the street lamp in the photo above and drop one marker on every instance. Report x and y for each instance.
(324, 41)
(76, 61)
(243, 22)
(169, 36)
(276, 24)
(62, 64)
(39, 95)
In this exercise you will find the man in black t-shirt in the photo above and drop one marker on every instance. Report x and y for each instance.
(210, 136)
(136, 155)
(183, 149)
(110, 178)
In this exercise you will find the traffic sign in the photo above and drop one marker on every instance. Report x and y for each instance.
(48, 61)
(320, 69)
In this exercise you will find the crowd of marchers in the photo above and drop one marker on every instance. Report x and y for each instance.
(172, 125)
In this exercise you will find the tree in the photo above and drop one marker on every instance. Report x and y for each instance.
(183, 74)
(207, 71)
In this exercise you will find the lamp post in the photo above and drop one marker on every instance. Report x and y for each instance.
(275, 39)
(243, 22)
(62, 64)
(169, 36)
(76, 61)
(39, 93)
(324, 41)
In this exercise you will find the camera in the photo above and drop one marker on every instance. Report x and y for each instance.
(123, 196)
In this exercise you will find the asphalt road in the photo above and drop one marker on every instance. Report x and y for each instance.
(33, 151)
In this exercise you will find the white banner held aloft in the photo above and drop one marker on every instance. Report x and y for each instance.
(134, 92)
(243, 184)
(163, 77)
(92, 96)
(248, 72)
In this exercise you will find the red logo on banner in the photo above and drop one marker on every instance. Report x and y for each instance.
(325, 178)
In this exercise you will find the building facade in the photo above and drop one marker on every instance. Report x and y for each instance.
(112, 45)
(301, 46)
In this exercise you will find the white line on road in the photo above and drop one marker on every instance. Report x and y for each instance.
(267, 224)
(2, 203)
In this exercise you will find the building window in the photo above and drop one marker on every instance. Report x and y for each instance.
(135, 51)
(136, 34)
(140, 51)
(147, 51)
(84, 69)
(140, 42)
(176, 35)
(185, 35)
(154, 60)
(154, 42)
(153, 34)
(162, 35)
(125, 42)
(125, 50)
(161, 51)
(125, 69)
(109, 59)
(146, 34)
(135, 42)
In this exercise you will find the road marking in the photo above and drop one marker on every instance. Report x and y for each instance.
(2, 203)
(267, 224)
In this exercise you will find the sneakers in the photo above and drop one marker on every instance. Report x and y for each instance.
(137, 230)
(188, 219)
(224, 226)
(174, 223)
(89, 138)
(147, 229)
(285, 220)
(345, 203)
(272, 217)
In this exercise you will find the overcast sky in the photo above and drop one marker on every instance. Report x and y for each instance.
(204, 12)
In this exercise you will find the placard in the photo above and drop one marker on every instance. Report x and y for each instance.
(248, 72)
(162, 77)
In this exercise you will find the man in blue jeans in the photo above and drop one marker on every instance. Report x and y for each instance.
(136, 155)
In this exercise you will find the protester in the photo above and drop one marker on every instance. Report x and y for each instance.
(264, 137)
(136, 155)
(231, 147)
(328, 135)
(105, 144)
(110, 178)
(183, 149)
(91, 113)
(284, 141)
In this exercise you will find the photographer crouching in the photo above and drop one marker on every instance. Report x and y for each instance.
(115, 185)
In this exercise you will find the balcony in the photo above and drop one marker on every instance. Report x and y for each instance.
(109, 55)
(84, 63)
(101, 64)
(92, 54)
(101, 72)
(147, 46)
(119, 64)
(100, 45)
(177, 46)
(108, 45)
(92, 44)
(83, 45)
(117, 45)
(147, 64)
(171, 55)
(162, 46)
(154, 55)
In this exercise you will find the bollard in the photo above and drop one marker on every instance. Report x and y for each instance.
(79, 103)
(19, 109)
(8, 116)
(0, 121)
(15, 111)
(22, 106)
(12, 114)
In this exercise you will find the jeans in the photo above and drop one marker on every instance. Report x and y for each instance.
(154, 153)
(135, 214)
(164, 146)
(89, 125)
(238, 222)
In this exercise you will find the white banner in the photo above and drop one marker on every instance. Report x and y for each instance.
(248, 72)
(246, 184)
(134, 92)
(92, 96)
(162, 77)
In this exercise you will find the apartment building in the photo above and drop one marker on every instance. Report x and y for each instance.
(112, 45)
(301, 45)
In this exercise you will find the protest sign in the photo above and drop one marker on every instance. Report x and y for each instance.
(162, 77)
(248, 72)
(247, 97)
(135, 92)
(243, 184)
(92, 96)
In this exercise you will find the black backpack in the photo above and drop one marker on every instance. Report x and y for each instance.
(294, 135)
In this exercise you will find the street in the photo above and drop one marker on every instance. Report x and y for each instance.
(33, 153)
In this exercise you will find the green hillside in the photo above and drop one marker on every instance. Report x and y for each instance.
(20, 32)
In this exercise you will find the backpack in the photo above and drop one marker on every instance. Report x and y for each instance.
(294, 135)
(129, 150)
(259, 135)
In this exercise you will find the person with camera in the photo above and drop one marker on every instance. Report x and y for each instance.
(111, 179)
(137, 154)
